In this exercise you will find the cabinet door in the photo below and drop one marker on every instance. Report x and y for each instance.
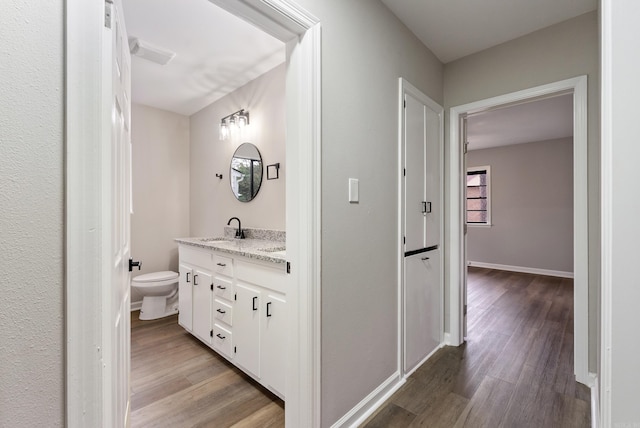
(246, 328)
(273, 336)
(185, 291)
(422, 300)
(202, 296)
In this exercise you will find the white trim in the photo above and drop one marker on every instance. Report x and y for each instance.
(456, 264)
(365, 408)
(136, 306)
(83, 264)
(83, 249)
(595, 402)
(606, 211)
(522, 269)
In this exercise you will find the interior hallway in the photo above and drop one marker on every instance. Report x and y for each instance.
(176, 381)
(515, 370)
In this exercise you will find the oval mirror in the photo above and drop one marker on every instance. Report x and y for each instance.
(246, 172)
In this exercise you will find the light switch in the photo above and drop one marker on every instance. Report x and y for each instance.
(353, 190)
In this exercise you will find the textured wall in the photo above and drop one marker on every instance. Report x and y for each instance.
(531, 206)
(31, 214)
(212, 203)
(160, 188)
(562, 51)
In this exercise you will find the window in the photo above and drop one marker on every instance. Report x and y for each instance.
(479, 195)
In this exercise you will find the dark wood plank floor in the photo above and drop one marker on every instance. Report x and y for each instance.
(515, 370)
(176, 381)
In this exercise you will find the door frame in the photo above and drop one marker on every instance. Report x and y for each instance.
(85, 257)
(457, 263)
(406, 87)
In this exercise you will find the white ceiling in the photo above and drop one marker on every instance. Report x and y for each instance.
(539, 120)
(453, 29)
(216, 53)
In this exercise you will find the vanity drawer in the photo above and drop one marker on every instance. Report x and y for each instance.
(222, 311)
(223, 287)
(222, 340)
(223, 265)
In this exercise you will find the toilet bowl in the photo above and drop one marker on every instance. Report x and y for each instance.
(159, 292)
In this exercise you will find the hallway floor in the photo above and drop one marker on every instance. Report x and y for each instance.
(176, 381)
(515, 370)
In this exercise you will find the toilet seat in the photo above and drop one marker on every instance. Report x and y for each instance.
(166, 277)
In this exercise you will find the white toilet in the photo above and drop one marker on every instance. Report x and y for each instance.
(160, 294)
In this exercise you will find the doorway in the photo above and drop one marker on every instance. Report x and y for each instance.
(457, 257)
(87, 384)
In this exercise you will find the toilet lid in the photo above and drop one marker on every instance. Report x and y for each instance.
(156, 276)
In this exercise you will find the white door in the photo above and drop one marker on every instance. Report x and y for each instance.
(246, 328)
(202, 300)
(273, 337)
(421, 208)
(117, 205)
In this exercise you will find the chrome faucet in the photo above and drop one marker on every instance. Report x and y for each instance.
(239, 232)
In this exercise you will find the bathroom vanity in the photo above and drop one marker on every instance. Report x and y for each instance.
(232, 297)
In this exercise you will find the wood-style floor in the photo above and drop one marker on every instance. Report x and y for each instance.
(515, 370)
(176, 381)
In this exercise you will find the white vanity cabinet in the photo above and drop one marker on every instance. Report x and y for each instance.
(246, 319)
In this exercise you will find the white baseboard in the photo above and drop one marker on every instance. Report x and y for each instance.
(135, 306)
(522, 269)
(371, 402)
(595, 402)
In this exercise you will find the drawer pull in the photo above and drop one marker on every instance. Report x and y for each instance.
(219, 336)
(221, 287)
(268, 309)
(255, 301)
(425, 258)
(221, 264)
(220, 311)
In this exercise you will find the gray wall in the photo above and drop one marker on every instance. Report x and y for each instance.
(531, 206)
(160, 142)
(32, 214)
(555, 53)
(365, 49)
(212, 203)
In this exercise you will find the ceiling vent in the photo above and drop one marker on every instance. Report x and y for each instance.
(151, 53)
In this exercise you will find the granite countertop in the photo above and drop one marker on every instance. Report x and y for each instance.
(259, 249)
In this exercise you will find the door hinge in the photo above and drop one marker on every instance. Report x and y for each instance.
(404, 172)
(465, 228)
(404, 239)
(235, 297)
(465, 310)
(288, 267)
(235, 349)
(465, 148)
(404, 103)
(211, 333)
(212, 286)
(108, 6)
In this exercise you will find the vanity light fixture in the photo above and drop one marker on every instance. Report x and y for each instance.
(234, 122)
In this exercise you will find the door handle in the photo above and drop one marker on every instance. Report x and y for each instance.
(133, 264)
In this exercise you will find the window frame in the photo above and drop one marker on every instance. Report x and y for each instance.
(487, 170)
